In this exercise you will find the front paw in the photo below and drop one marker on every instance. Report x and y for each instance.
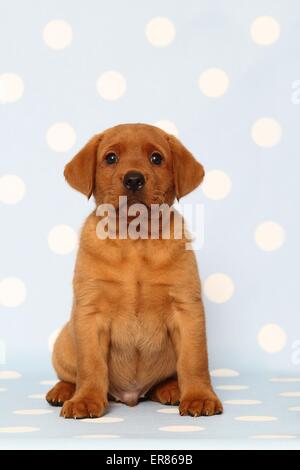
(166, 392)
(202, 403)
(83, 407)
(60, 393)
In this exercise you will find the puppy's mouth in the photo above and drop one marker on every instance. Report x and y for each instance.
(156, 197)
(135, 199)
(122, 199)
(126, 201)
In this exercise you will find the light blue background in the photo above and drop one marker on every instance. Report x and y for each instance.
(161, 84)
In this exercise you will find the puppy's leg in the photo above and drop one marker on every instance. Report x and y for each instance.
(91, 344)
(64, 362)
(166, 392)
(60, 393)
(188, 333)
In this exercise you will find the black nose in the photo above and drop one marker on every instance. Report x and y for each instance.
(134, 180)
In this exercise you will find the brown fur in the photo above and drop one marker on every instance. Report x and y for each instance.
(137, 326)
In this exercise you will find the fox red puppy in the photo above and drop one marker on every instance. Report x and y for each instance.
(137, 327)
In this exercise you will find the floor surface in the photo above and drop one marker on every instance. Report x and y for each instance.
(260, 412)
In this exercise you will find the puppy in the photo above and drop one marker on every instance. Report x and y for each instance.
(137, 327)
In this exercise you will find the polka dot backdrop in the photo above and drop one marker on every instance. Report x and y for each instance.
(218, 76)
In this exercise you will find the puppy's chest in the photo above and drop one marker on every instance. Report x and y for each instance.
(138, 282)
(137, 295)
(140, 320)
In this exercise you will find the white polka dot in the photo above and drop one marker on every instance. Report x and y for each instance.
(52, 338)
(61, 137)
(256, 419)
(273, 436)
(218, 288)
(294, 408)
(169, 410)
(160, 32)
(216, 185)
(103, 420)
(265, 30)
(62, 239)
(12, 189)
(12, 292)
(290, 394)
(271, 338)
(181, 428)
(111, 85)
(285, 379)
(266, 132)
(2, 389)
(37, 396)
(35, 411)
(11, 88)
(213, 82)
(269, 236)
(167, 126)
(98, 436)
(18, 429)
(9, 374)
(224, 373)
(48, 382)
(243, 402)
(232, 387)
(57, 34)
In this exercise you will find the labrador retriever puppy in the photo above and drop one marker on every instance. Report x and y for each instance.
(137, 327)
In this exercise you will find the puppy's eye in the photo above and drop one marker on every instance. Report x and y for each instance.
(111, 158)
(156, 158)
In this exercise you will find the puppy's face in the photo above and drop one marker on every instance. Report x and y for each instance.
(133, 161)
(139, 161)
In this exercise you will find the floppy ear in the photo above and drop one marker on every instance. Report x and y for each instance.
(188, 173)
(80, 171)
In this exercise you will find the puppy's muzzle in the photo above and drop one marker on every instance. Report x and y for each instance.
(134, 181)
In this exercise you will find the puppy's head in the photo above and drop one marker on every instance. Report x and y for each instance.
(139, 161)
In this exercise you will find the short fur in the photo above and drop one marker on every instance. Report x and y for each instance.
(137, 327)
